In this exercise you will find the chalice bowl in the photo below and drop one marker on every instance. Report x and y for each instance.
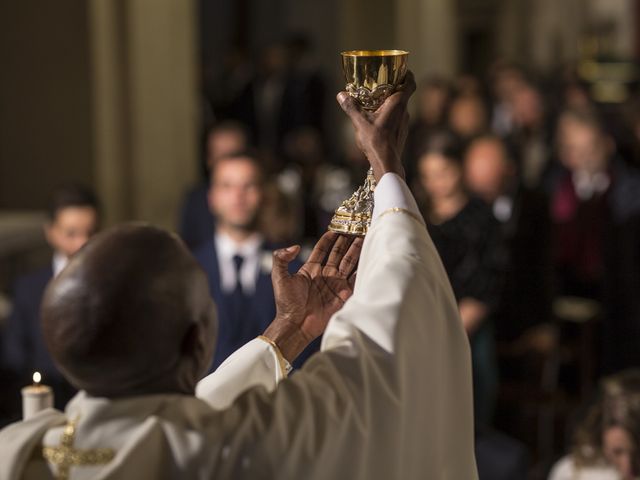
(371, 77)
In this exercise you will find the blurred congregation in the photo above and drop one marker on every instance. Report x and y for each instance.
(526, 168)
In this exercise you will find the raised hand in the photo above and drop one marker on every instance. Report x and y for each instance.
(381, 134)
(306, 300)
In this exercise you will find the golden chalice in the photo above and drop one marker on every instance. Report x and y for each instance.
(371, 76)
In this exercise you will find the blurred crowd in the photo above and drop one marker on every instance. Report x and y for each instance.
(531, 193)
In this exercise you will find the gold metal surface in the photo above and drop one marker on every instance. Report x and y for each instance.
(353, 217)
(373, 75)
(66, 456)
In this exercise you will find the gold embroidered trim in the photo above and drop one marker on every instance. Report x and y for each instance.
(65, 456)
(403, 210)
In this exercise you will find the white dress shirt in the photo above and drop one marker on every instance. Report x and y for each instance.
(249, 250)
(59, 262)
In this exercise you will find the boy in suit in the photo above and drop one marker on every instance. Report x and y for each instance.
(73, 217)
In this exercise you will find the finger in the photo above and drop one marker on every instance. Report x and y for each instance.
(352, 108)
(322, 248)
(339, 250)
(350, 260)
(394, 105)
(409, 85)
(281, 260)
(400, 97)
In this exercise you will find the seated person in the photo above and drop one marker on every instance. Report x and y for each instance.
(469, 241)
(605, 445)
(73, 218)
(595, 212)
(525, 225)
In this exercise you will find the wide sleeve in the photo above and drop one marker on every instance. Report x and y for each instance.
(255, 364)
(390, 394)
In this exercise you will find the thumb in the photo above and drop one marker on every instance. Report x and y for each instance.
(350, 106)
(281, 260)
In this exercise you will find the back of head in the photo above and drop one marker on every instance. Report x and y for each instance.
(131, 314)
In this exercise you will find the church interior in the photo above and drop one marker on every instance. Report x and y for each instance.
(523, 153)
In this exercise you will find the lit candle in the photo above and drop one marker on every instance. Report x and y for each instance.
(36, 397)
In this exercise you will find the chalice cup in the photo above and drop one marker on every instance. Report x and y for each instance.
(371, 77)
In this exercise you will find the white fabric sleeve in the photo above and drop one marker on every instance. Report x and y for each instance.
(391, 193)
(254, 364)
(257, 363)
(384, 271)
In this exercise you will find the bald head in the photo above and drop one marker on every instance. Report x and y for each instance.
(487, 168)
(130, 315)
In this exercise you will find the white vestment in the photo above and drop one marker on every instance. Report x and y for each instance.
(388, 397)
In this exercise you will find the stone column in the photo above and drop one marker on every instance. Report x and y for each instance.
(428, 29)
(145, 106)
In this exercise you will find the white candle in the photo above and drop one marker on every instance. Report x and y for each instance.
(36, 397)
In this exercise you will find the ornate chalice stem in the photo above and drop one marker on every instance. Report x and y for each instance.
(353, 217)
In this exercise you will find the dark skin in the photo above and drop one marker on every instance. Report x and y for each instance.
(112, 317)
(306, 301)
(131, 313)
(381, 135)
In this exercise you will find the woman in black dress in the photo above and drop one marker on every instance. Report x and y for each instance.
(468, 240)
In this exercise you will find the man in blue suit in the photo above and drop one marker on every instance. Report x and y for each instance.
(237, 259)
(72, 220)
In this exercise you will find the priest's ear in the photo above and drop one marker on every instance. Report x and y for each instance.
(198, 343)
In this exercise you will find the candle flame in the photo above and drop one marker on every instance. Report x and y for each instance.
(37, 377)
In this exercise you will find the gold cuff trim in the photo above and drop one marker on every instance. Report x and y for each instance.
(403, 210)
(285, 366)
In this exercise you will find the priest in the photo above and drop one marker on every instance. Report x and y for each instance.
(129, 323)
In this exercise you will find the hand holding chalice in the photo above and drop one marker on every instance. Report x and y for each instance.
(371, 77)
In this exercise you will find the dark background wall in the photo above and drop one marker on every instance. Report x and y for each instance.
(45, 131)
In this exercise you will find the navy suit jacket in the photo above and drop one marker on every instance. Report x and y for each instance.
(24, 349)
(261, 305)
(196, 221)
